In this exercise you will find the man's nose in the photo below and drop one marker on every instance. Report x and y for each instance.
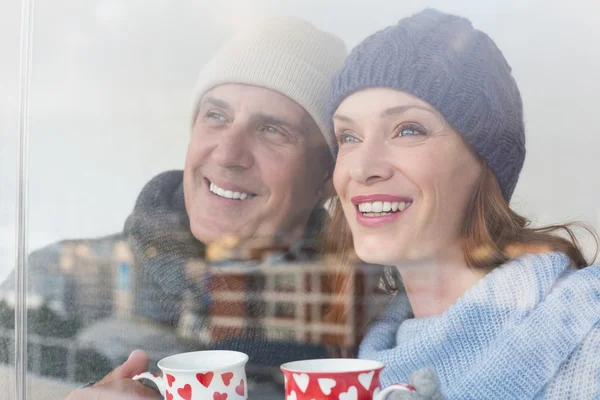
(370, 164)
(233, 149)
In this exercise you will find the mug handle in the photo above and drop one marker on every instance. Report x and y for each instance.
(158, 380)
(396, 387)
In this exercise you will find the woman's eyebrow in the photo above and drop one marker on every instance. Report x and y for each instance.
(402, 109)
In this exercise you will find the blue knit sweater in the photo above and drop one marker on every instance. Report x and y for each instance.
(529, 330)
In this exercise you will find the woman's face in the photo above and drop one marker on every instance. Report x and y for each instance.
(403, 175)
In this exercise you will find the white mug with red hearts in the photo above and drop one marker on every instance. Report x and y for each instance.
(199, 375)
(336, 379)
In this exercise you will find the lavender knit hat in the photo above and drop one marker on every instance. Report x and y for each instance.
(444, 61)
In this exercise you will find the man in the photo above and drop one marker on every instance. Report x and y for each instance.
(257, 164)
(257, 169)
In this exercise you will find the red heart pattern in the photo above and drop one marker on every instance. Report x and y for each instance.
(239, 389)
(359, 385)
(185, 392)
(205, 379)
(227, 377)
(170, 380)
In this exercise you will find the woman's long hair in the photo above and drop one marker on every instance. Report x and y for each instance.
(492, 234)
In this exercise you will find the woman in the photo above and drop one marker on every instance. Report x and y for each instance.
(431, 138)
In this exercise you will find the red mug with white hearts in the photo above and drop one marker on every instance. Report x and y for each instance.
(200, 375)
(336, 379)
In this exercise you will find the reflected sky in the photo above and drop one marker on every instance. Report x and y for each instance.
(111, 84)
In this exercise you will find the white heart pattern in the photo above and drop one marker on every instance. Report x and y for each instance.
(302, 381)
(366, 379)
(291, 396)
(326, 384)
(351, 394)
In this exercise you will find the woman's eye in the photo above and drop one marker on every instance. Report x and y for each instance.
(215, 116)
(346, 138)
(410, 131)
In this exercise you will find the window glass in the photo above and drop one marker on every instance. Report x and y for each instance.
(116, 262)
(9, 93)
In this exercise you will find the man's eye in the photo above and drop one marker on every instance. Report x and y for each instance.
(215, 116)
(271, 130)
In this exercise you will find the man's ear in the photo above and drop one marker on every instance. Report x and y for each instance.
(327, 190)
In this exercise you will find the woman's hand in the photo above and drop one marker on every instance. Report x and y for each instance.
(118, 384)
(427, 385)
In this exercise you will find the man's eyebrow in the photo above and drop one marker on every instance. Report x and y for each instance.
(271, 120)
(216, 102)
(264, 118)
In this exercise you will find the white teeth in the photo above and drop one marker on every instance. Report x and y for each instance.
(228, 194)
(387, 206)
(378, 208)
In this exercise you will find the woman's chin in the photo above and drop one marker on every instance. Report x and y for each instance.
(377, 254)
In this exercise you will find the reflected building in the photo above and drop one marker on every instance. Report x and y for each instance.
(284, 303)
(95, 274)
(74, 277)
(287, 301)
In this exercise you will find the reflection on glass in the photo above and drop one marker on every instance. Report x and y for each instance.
(272, 311)
(110, 114)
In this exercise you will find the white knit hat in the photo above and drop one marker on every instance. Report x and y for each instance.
(285, 54)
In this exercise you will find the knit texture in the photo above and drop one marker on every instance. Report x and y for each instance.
(443, 60)
(528, 330)
(285, 54)
(160, 238)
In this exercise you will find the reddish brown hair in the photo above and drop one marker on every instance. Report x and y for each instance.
(492, 234)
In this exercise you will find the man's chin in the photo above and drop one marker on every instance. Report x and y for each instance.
(209, 231)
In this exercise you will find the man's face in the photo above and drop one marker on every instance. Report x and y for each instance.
(255, 165)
